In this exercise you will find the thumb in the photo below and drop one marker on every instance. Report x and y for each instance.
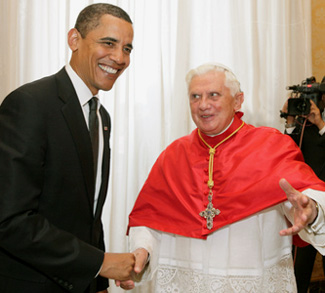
(286, 186)
(117, 283)
(141, 256)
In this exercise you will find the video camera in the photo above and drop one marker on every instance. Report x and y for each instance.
(299, 103)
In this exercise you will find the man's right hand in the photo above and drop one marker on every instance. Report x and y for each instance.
(315, 116)
(141, 259)
(117, 266)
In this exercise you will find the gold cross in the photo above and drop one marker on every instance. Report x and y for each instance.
(209, 213)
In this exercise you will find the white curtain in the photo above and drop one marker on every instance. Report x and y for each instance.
(266, 43)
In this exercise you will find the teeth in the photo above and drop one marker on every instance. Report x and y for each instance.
(107, 69)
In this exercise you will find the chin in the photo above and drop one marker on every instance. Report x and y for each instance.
(107, 87)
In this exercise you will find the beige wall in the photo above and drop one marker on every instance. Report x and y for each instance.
(318, 38)
(318, 55)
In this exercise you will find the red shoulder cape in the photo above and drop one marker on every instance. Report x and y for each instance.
(247, 170)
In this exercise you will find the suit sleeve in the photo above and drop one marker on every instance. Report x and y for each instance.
(24, 232)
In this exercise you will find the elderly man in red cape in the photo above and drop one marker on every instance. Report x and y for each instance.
(216, 214)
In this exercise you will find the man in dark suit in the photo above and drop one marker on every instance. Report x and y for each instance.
(51, 191)
(309, 134)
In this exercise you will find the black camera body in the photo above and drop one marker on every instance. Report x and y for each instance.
(307, 91)
(300, 106)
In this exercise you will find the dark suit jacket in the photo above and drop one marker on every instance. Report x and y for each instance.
(50, 240)
(313, 147)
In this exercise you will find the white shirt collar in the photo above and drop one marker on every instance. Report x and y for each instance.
(213, 135)
(83, 92)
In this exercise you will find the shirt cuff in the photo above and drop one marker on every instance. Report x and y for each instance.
(141, 237)
(318, 223)
(289, 130)
(98, 271)
(322, 131)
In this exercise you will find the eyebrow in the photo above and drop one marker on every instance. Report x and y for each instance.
(115, 41)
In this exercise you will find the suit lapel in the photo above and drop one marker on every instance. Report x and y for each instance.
(75, 119)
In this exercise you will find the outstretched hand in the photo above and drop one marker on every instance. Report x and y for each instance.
(304, 209)
(141, 257)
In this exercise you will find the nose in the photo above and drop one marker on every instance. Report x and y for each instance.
(118, 56)
(204, 103)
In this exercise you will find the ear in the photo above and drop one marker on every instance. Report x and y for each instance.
(239, 99)
(73, 38)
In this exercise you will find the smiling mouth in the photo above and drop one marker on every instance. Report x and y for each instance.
(108, 69)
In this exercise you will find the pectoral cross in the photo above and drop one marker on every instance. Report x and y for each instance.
(209, 213)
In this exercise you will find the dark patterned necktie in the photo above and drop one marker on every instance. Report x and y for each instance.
(93, 129)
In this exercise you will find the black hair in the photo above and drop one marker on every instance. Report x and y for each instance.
(89, 17)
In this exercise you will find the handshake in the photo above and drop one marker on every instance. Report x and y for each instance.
(121, 267)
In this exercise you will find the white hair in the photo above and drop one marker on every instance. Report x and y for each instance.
(231, 80)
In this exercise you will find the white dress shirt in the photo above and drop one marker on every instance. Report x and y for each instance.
(84, 95)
